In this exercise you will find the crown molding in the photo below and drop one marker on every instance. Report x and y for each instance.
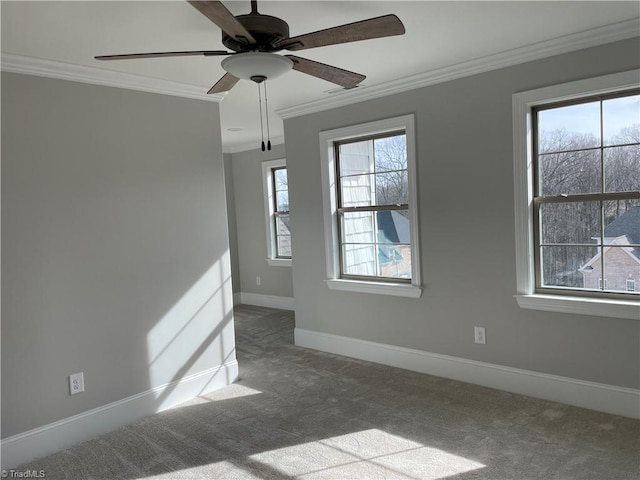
(98, 76)
(79, 73)
(565, 44)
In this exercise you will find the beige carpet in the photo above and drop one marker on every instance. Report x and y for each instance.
(298, 413)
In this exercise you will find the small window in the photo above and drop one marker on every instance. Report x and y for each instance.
(276, 205)
(631, 285)
(373, 208)
(281, 212)
(370, 208)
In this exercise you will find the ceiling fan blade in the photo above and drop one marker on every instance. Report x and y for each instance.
(385, 26)
(223, 18)
(225, 84)
(336, 75)
(128, 56)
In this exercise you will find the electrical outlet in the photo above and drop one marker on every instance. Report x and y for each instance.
(258, 281)
(480, 335)
(76, 383)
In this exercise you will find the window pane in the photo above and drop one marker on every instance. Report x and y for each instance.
(569, 267)
(621, 264)
(359, 259)
(390, 153)
(282, 224)
(356, 158)
(621, 120)
(281, 180)
(282, 199)
(357, 191)
(571, 222)
(283, 246)
(622, 169)
(393, 226)
(358, 227)
(622, 222)
(392, 188)
(395, 261)
(570, 173)
(568, 128)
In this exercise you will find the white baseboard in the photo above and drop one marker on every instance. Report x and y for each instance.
(62, 434)
(591, 395)
(271, 301)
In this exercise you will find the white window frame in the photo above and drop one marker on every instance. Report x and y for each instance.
(332, 243)
(269, 212)
(522, 104)
(631, 285)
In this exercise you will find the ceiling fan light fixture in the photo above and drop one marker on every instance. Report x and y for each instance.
(257, 64)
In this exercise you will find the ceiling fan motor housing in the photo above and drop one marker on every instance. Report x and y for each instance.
(268, 32)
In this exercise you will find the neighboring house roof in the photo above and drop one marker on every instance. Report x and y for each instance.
(626, 224)
(393, 227)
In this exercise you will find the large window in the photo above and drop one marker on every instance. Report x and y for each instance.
(276, 206)
(371, 208)
(587, 194)
(577, 196)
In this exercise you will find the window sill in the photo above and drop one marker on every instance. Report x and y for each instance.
(395, 289)
(279, 262)
(581, 306)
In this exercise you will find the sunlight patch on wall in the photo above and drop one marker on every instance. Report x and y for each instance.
(197, 333)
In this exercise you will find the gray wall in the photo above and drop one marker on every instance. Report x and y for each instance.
(465, 177)
(114, 246)
(251, 228)
(233, 228)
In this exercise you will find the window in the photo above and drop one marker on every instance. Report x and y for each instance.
(586, 200)
(370, 206)
(281, 212)
(631, 285)
(577, 196)
(276, 206)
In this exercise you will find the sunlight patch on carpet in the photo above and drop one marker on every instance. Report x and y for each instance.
(369, 453)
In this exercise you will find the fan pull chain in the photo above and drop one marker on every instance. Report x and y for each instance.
(266, 109)
(261, 126)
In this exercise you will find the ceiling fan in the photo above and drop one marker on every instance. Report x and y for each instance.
(254, 38)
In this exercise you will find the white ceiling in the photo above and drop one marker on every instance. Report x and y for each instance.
(439, 35)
